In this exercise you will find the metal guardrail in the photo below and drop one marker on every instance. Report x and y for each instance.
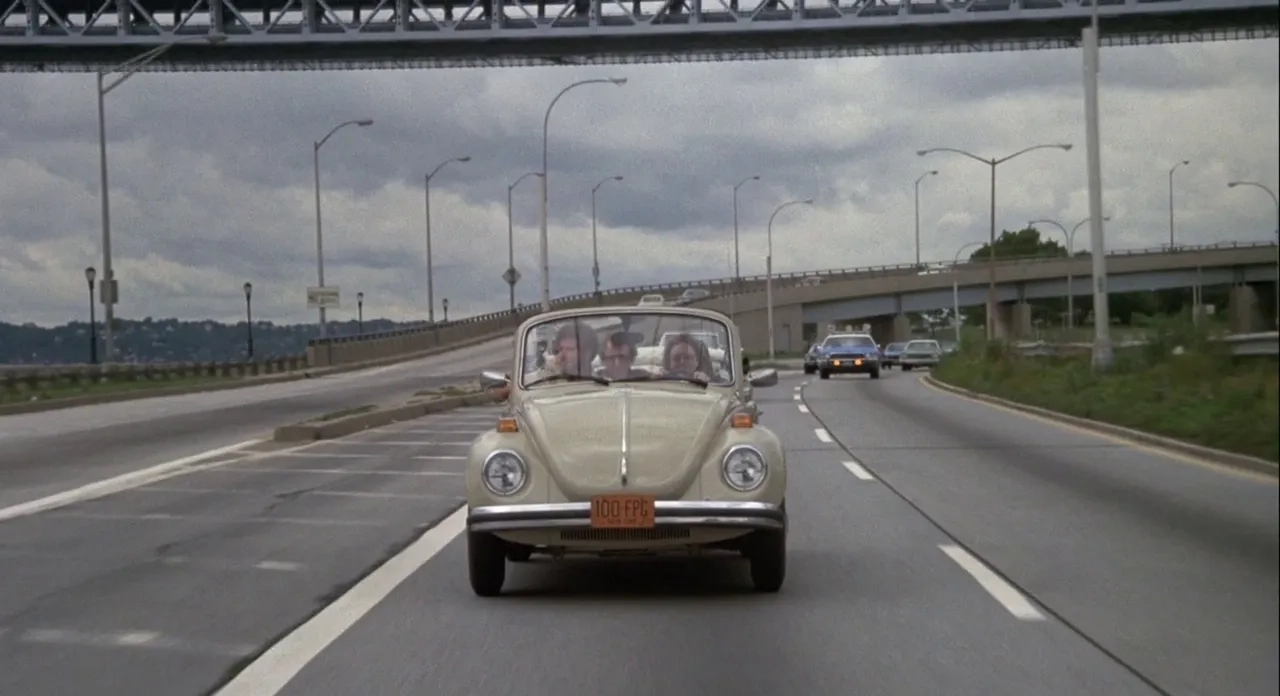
(1266, 344)
(32, 379)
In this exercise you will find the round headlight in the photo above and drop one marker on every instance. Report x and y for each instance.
(744, 468)
(503, 473)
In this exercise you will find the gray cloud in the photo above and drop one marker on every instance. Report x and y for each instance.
(212, 175)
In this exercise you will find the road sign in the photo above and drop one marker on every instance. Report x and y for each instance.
(327, 297)
(511, 276)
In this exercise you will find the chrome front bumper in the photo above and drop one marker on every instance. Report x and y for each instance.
(666, 513)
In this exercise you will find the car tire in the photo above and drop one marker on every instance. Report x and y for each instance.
(808, 370)
(906, 368)
(768, 558)
(875, 374)
(519, 554)
(824, 375)
(486, 563)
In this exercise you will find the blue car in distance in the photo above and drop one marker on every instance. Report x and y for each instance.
(849, 353)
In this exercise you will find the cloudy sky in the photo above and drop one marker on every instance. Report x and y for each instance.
(211, 176)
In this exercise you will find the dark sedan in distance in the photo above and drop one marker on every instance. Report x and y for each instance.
(849, 354)
(891, 353)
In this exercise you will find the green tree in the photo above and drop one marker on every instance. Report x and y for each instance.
(1023, 243)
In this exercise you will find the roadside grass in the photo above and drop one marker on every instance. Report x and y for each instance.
(1200, 394)
(66, 391)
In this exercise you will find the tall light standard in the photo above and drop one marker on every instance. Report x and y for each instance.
(955, 288)
(511, 275)
(991, 248)
(595, 246)
(89, 274)
(768, 268)
(126, 70)
(431, 297)
(1071, 246)
(315, 162)
(737, 267)
(931, 172)
(1102, 354)
(542, 235)
(248, 317)
(1173, 169)
(1275, 201)
(360, 313)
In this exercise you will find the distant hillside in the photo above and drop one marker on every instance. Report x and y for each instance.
(167, 340)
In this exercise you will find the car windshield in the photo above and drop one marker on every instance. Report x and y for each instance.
(612, 347)
(895, 346)
(848, 342)
(922, 346)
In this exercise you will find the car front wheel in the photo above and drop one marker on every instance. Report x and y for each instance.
(487, 563)
(768, 558)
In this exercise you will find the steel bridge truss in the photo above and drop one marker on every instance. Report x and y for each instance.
(85, 35)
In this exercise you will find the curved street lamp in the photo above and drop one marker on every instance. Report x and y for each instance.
(991, 248)
(431, 298)
(1276, 202)
(315, 162)
(595, 247)
(768, 268)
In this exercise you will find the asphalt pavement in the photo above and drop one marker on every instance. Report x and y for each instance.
(44, 453)
(165, 588)
(1024, 559)
(938, 546)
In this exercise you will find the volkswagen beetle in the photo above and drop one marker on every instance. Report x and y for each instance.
(597, 453)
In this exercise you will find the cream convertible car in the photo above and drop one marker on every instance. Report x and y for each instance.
(666, 457)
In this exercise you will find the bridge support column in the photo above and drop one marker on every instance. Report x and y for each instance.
(901, 328)
(1013, 321)
(1245, 314)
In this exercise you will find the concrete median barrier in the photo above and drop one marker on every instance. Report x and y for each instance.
(366, 417)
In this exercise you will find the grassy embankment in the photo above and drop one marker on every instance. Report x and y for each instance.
(1202, 395)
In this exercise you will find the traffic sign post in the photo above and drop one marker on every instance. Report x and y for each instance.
(511, 276)
(328, 297)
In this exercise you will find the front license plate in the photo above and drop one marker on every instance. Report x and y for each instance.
(622, 511)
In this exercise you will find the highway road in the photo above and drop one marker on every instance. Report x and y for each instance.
(43, 453)
(938, 546)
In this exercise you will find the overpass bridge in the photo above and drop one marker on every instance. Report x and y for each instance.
(884, 301)
(87, 35)
(836, 285)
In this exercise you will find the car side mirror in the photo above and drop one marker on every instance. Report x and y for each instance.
(767, 377)
(490, 379)
(746, 364)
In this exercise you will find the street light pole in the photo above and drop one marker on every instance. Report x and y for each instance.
(931, 172)
(543, 259)
(360, 313)
(595, 247)
(248, 316)
(1071, 244)
(955, 289)
(991, 248)
(89, 274)
(510, 275)
(126, 70)
(426, 189)
(1173, 169)
(315, 161)
(768, 268)
(1275, 201)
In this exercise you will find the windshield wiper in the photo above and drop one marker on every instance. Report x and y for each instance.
(570, 377)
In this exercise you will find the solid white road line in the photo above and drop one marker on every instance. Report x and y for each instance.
(161, 516)
(823, 435)
(1002, 591)
(116, 484)
(268, 674)
(857, 470)
(341, 472)
(803, 408)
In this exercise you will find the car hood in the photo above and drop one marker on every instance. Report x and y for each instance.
(579, 437)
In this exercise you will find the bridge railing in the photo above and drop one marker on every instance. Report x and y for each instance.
(1261, 344)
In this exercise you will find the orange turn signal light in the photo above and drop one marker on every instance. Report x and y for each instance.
(507, 425)
(742, 420)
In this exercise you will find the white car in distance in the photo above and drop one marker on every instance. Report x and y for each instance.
(652, 301)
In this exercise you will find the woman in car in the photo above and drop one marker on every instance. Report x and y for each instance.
(686, 356)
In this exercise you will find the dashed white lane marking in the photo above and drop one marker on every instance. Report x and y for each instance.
(160, 516)
(803, 408)
(441, 456)
(796, 397)
(857, 470)
(823, 434)
(222, 564)
(1002, 591)
(798, 387)
(268, 674)
(338, 472)
(132, 639)
(116, 484)
(427, 431)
